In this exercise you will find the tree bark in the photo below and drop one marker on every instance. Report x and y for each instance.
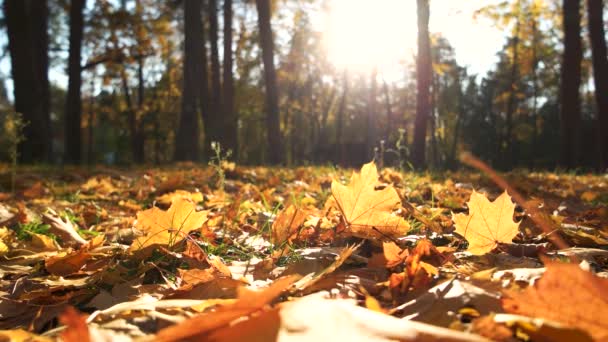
(215, 120)
(595, 9)
(230, 130)
(340, 120)
(570, 111)
(186, 142)
(273, 129)
(423, 80)
(26, 22)
(370, 142)
(73, 106)
(511, 105)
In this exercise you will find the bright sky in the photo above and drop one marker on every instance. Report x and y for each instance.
(361, 34)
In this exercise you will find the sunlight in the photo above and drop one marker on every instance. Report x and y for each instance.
(362, 35)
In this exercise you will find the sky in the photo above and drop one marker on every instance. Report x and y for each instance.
(361, 35)
(353, 28)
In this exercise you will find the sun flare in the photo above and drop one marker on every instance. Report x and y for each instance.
(362, 35)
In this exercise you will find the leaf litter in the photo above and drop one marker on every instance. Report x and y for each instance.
(302, 254)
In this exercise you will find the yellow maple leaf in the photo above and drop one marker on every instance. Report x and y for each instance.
(368, 212)
(488, 223)
(165, 228)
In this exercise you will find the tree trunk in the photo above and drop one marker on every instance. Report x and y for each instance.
(423, 80)
(186, 142)
(511, 105)
(570, 111)
(389, 111)
(273, 129)
(595, 9)
(73, 105)
(215, 119)
(26, 22)
(139, 138)
(370, 142)
(230, 130)
(340, 119)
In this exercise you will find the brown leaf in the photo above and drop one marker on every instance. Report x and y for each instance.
(392, 255)
(287, 223)
(488, 223)
(166, 228)
(248, 302)
(566, 294)
(66, 264)
(368, 212)
(76, 330)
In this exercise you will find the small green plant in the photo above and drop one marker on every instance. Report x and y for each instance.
(13, 130)
(24, 231)
(217, 162)
(402, 151)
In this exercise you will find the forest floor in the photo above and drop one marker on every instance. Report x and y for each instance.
(230, 253)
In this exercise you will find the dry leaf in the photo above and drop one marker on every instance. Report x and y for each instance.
(66, 264)
(165, 228)
(368, 212)
(287, 223)
(169, 198)
(566, 294)
(488, 223)
(392, 255)
(248, 302)
(77, 330)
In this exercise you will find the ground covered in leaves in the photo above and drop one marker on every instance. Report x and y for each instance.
(260, 254)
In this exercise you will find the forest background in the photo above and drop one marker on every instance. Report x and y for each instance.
(152, 81)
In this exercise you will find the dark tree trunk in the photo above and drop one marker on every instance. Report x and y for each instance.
(26, 22)
(372, 108)
(73, 105)
(511, 104)
(214, 119)
(570, 111)
(230, 130)
(186, 142)
(423, 80)
(389, 111)
(273, 130)
(595, 9)
(139, 137)
(340, 118)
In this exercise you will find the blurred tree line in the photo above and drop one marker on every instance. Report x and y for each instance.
(155, 81)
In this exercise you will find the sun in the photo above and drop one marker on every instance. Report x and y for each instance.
(363, 35)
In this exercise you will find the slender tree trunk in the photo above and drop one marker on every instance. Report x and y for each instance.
(533, 114)
(423, 80)
(230, 130)
(389, 111)
(511, 105)
(595, 9)
(273, 129)
(26, 23)
(91, 124)
(215, 120)
(570, 111)
(73, 105)
(340, 120)
(139, 138)
(186, 144)
(370, 142)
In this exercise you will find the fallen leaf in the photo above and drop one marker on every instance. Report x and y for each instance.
(368, 212)
(488, 223)
(169, 198)
(64, 228)
(66, 264)
(76, 326)
(286, 224)
(20, 335)
(166, 228)
(248, 302)
(566, 294)
(392, 255)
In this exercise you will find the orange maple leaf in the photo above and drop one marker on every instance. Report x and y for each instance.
(166, 228)
(367, 211)
(566, 294)
(488, 223)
